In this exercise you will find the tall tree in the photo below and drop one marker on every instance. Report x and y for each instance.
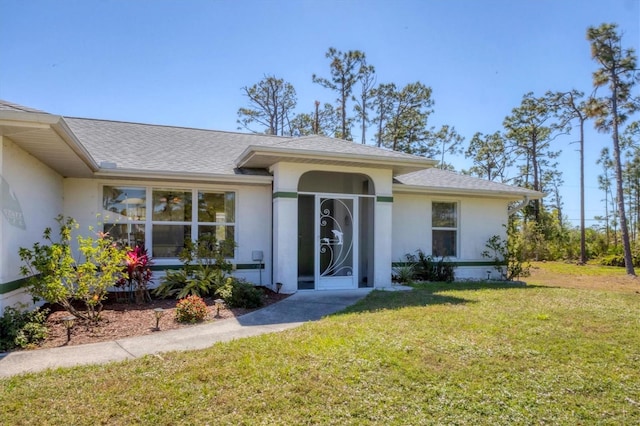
(367, 79)
(323, 121)
(617, 74)
(490, 156)
(271, 102)
(345, 68)
(553, 179)
(445, 141)
(382, 99)
(532, 127)
(574, 109)
(405, 128)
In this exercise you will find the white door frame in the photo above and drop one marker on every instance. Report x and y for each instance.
(333, 279)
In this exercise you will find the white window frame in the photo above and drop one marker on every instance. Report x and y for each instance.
(148, 222)
(456, 228)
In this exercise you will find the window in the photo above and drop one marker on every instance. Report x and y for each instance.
(173, 217)
(171, 221)
(216, 217)
(444, 229)
(124, 214)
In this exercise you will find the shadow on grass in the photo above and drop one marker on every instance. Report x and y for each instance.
(438, 287)
(424, 294)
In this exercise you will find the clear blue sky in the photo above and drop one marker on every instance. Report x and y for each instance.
(184, 62)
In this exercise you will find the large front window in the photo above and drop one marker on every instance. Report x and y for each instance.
(175, 216)
(444, 229)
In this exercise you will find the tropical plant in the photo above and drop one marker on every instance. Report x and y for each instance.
(137, 274)
(205, 269)
(56, 276)
(404, 273)
(429, 269)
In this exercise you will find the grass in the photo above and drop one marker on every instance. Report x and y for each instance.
(461, 353)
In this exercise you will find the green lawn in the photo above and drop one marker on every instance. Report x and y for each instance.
(445, 354)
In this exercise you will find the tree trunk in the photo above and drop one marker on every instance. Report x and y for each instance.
(583, 251)
(626, 244)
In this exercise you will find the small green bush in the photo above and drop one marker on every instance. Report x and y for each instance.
(613, 260)
(191, 309)
(426, 268)
(405, 273)
(617, 259)
(20, 328)
(243, 295)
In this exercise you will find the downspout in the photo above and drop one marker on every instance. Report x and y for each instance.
(515, 209)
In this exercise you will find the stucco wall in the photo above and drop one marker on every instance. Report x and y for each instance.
(35, 190)
(478, 220)
(285, 206)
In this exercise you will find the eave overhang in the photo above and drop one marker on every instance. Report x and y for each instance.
(49, 139)
(264, 157)
(400, 188)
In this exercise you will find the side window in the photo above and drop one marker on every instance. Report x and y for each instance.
(444, 229)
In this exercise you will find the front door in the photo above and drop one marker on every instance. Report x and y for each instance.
(336, 242)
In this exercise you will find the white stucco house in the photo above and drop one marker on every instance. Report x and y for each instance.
(312, 213)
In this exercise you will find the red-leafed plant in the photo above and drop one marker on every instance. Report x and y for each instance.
(137, 274)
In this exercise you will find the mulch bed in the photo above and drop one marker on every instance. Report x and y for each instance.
(120, 319)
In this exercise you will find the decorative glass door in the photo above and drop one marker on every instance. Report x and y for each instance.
(336, 234)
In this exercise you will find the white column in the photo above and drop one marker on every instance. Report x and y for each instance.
(285, 241)
(383, 243)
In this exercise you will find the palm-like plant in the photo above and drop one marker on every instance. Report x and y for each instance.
(137, 273)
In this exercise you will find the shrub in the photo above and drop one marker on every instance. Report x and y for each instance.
(242, 294)
(56, 276)
(404, 273)
(613, 260)
(191, 309)
(428, 269)
(22, 328)
(617, 259)
(507, 256)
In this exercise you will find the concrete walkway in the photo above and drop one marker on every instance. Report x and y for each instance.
(291, 312)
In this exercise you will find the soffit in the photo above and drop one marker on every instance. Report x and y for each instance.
(46, 138)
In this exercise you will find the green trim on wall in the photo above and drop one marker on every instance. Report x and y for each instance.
(285, 194)
(250, 266)
(12, 285)
(466, 263)
(238, 266)
(384, 199)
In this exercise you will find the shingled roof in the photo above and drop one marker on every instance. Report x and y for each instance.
(154, 148)
(444, 181)
(110, 148)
